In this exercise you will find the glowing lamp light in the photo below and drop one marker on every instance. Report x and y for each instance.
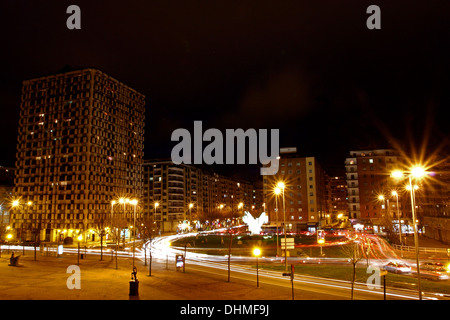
(256, 252)
(80, 237)
(277, 191)
(15, 203)
(397, 174)
(9, 236)
(408, 187)
(418, 172)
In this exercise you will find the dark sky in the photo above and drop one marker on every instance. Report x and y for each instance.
(309, 68)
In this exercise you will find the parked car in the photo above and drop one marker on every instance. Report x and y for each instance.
(397, 267)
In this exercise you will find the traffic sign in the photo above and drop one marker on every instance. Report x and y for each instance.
(288, 244)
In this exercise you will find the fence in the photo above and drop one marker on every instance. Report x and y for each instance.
(422, 249)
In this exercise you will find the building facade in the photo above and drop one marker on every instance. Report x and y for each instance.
(80, 145)
(339, 203)
(177, 192)
(305, 193)
(368, 176)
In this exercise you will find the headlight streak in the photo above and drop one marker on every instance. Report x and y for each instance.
(159, 249)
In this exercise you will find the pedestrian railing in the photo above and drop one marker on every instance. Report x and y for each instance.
(421, 249)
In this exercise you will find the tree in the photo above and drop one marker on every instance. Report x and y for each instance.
(354, 253)
(118, 224)
(100, 231)
(148, 228)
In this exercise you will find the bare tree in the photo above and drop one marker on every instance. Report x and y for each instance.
(100, 225)
(148, 229)
(354, 253)
(118, 224)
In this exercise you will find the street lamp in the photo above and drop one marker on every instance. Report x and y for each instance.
(277, 191)
(257, 253)
(156, 205)
(15, 204)
(134, 202)
(394, 193)
(79, 238)
(416, 172)
(281, 185)
(190, 208)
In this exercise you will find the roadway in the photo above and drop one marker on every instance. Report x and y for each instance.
(218, 265)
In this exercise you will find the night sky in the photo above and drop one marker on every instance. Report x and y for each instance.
(309, 68)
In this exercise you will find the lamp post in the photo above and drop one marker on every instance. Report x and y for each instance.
(257, 253)
(79, 238)
(156, 205)
(190, 213)
(383, 206)
(277, 191)
(395, 194)
(15, 204)
(282, 186)
(134, 202)
(416, 172)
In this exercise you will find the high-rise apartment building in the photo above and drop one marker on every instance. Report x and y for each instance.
(368, 176)
(339, 203)
(80, 145)
(305, 195)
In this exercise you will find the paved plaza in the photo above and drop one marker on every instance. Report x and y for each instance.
(46, 279)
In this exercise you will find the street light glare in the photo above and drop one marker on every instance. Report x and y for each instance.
(277, 191)
(380, 197)
(408, 187)
(394, 193)
(256, 252)
(15, 203)
(397, 174)
(418, 172)
(280, 185)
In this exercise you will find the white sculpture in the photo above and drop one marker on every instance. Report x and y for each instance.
(254, 225)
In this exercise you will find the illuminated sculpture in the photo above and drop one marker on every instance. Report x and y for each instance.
(254, 225)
